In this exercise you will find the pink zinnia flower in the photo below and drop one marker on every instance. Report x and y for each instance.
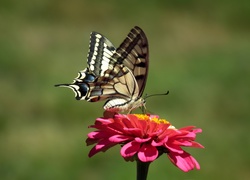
(144, 137)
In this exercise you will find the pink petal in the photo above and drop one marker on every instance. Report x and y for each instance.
(184, 143)
(187, 128)
(102, 121)
(197, 131)
(174, 148)
(103, 145)
(142, 140)
(130, 149)
(160, 142)
(134, 131)
(119, 138)
(95, 136)
(191, 129)
(128, 123)
(189, 144)
(142, 125)
(91, 141)
(183, 161)
(147, 153)
(197, 145)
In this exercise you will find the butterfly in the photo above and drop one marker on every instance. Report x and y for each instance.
(116, 75)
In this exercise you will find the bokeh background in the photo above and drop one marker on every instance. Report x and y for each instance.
(199, 51)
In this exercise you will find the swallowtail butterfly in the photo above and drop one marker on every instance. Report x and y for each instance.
(116, 75)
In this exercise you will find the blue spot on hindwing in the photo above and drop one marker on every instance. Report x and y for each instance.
(89, 78)
(83, 89)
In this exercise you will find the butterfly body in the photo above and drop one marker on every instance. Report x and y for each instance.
(116, 75)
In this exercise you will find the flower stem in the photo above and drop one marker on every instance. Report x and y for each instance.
(142, 170)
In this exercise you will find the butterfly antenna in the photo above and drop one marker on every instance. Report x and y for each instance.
(162, 94)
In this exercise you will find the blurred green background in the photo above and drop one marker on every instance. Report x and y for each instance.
(199, 51)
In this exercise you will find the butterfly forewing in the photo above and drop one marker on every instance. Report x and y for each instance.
(133, 53)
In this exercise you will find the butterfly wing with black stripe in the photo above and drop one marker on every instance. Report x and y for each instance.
(100, 52)
(118, 75)
(133, 54)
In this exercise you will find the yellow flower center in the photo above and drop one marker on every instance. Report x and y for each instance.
(153, 119)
